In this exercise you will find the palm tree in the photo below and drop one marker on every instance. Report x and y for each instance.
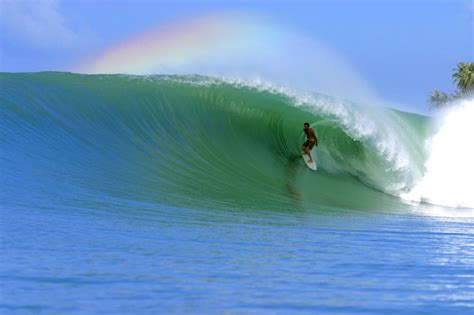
(438, 99)
(463, 76)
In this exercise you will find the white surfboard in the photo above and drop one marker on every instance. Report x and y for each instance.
(314, 164)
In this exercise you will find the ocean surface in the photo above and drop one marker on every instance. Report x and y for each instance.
(187, 194)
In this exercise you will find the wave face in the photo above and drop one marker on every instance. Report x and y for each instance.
(198, 141)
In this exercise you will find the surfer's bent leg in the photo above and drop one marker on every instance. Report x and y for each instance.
(304, 148)
(308, 148)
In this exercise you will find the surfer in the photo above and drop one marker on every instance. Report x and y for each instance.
(310, 142)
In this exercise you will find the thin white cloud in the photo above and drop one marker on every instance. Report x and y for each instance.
(37, 23)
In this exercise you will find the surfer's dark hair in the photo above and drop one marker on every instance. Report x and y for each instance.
(306, 124)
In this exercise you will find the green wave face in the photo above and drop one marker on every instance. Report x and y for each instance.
(202, 142)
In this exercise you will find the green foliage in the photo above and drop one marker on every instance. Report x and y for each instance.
(437, 99)
(463, 76)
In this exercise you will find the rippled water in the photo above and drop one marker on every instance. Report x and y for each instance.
(147, 259)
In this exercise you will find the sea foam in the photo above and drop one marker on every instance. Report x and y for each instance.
(449, 176)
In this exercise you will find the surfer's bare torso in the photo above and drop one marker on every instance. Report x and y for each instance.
(310, 135)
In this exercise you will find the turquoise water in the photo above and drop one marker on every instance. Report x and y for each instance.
(187, 194)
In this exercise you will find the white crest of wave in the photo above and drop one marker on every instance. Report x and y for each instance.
(449, 176)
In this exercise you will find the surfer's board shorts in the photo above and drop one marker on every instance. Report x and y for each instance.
(309, 144)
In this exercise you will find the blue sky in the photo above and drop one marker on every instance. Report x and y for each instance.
(403, 49)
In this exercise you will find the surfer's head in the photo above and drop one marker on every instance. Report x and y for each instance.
(306, 125)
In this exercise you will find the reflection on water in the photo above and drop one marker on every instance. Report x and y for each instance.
(292, 167)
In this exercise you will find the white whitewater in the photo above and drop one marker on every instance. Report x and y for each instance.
(449, 176)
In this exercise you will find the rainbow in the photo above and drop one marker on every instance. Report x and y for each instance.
(174, 45)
